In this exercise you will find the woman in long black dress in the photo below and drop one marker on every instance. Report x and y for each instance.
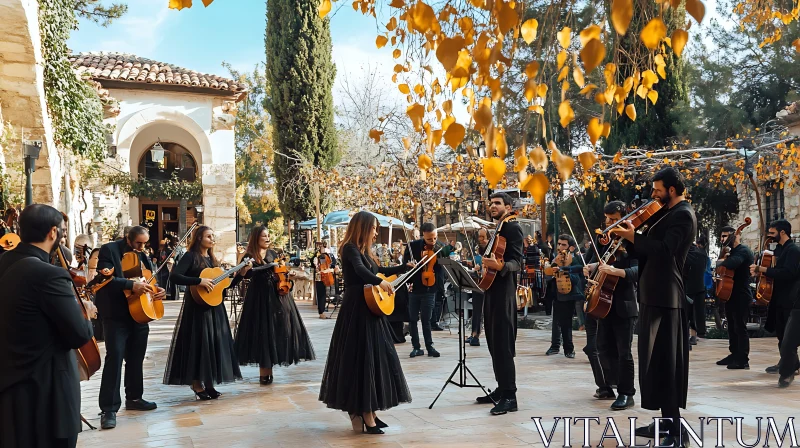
(271, 331)
(362, 374)
(202, 347)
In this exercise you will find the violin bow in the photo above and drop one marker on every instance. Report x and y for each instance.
(174, 250)
(469, 242)
(573, 237)
(585, 226)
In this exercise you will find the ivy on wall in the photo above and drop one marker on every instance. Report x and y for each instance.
(73, 104)
(173, 189)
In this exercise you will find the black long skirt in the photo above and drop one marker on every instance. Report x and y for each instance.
(202, 346)
(363, 373)
(663, 357)
(271, 331)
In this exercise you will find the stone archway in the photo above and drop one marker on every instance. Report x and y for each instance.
(128, 130)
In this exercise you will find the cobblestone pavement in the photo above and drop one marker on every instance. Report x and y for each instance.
(287, 413)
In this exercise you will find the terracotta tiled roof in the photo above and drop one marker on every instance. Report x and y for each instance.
(132, 68)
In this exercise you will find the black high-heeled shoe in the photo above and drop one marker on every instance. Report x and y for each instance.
(265, 380)
(359, 425)
(379, 423)
(213, 393)
(202, 395)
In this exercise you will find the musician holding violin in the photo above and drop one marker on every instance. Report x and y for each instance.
(784, 304)
(663, 342)
(567, 268)
(43, 324)
(271, 331)
(422, 296)
(125, 339)
(736, 260)
(501, 261)
(324, 267)
(614, 330)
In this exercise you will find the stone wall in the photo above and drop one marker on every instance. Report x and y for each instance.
(219, 200)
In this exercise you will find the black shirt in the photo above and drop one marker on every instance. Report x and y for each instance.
(694, 270)
(416, 247)
(740, 259)
(786, 273)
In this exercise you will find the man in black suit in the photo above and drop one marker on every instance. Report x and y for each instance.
(125, 338)
(615, 331)
(663, 325)
(737, 308)
(500, 308)
(40, 394)
(421, 299)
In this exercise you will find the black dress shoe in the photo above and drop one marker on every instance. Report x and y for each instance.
(692, 340)
(785, 381)
(570, 355)
(622, 402)
(648, 432)
(773, 369)
(432, 352)
(265, 380)
(493, 397)
(475, 342)
(739, 366)
(552, 351)
(416, 352)
(605, 394)
(436, 327)
(139, 405)
(725, 361)
(505, 405)
(673, 441)
(108, 420)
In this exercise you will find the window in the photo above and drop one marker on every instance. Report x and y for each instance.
(774, 201)
(177, 160)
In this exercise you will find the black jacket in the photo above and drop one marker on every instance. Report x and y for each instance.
(111, 301)
(624, 301)
(694, 270)
(786, 274)
(416, 247)
(739, 259)
(41, 322)
(661, 251)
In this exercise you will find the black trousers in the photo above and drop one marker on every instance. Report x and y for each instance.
(125, 340)
(420, 307)
(436, 315)
(781, 319)
(698, 313)
(71, 442)
(501, 333)
(791, 340)
(321, 296)
(477, 312)
(562, 315)
(614, 340)
(737, 310)
(592, 353)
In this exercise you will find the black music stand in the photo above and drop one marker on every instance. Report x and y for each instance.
(462, 281)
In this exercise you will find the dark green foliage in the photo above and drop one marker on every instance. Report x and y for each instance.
(299, 75)
(95, 11)
(173, 189)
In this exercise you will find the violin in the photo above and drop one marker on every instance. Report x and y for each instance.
(282, 281)
(563, 282)
(428, 276)
(723, 275)
(325, 271)
(764, 284)
(637, 217)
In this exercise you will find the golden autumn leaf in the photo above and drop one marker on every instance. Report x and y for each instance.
(796, 45)
(530, 90)
(447, 122)
(649, 78)
(454, 135)
(565, 165)
(180, 4)
(483, 116)
(404, 89)
(538, 158)
(630, 111)
(493, 170)
(627, 85)
(561, 58)
(541, 91)
(678, 40)
(593, 54)
(562, 75)
(600, 98)
(520, 163)
(653, 33)
(661, 72)
(324, 8)
(424, 162)
(375, 135)
(415, 112)
(587, 160)
(590, 32)
(529, 29)
(696, 9)
(421, 17)
(381, 41)
(606, 129)
(565, 113)
(608, 73)
(448, 51)
(406, 143)
(397, 3)
(564, 37)
(500, 143)
(532, 69)
(537, 185)
(577, 75)
(588, 89)
(396, 53)
(595, 130)
(610, 93)
(621, 15)
(652, 96)
(447, 106)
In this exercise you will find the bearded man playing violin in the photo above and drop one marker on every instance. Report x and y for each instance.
(614, 333)
(124, 337)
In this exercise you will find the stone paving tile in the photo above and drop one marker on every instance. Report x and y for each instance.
(288, 414)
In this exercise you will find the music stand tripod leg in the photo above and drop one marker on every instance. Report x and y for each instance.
(83, 419)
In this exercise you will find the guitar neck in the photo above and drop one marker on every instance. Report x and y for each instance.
(229, 272)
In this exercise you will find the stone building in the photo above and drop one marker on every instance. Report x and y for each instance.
(777, 202)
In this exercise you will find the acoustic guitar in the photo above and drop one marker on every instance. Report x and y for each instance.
(496, 248)
(143, 307)
(9, 241)
(220, 278)
(380, 302)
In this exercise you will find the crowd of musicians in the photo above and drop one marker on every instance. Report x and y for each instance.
(646, 274)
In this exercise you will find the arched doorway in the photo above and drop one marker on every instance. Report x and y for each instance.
(164, 217)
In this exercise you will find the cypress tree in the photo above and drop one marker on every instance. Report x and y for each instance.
(299, 75)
